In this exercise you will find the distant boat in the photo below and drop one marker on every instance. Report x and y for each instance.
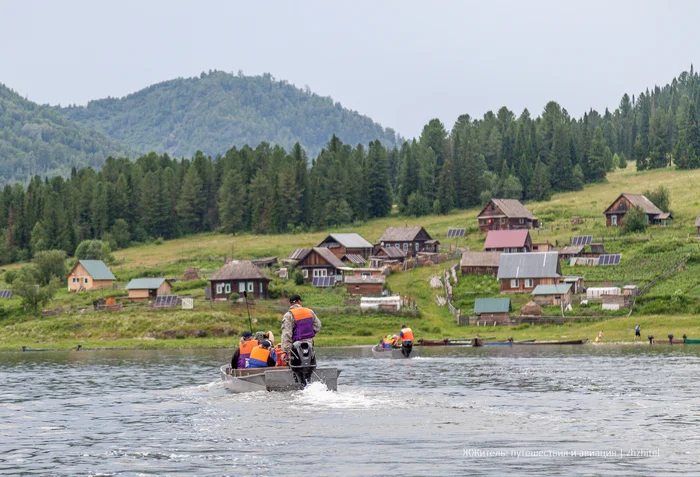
(25, 349)
(450, 342)
(392, 353)
(506, 342)
(691, 340)
(553, 342)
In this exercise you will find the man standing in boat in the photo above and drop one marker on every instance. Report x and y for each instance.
(298, 324)
(406, 336)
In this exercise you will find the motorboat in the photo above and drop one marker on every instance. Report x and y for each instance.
(278, 378)
(392, 353)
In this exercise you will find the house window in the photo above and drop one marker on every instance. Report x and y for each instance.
(227, 288)
(613, 220)
(305, 272)
(503, 220)
(528, 283)
(87, 281)
(76, 280)
(493, 207)
(320, 272)
(251, 287)
(397, 245)
(515, 283)
(417, 246)
(557, 298)
(366, 274)
(241, 287)
(405, 246)
(261, 288)
(521, 221)
(219, 288)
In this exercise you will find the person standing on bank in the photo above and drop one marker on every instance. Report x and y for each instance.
(406, 336)
(298, 324)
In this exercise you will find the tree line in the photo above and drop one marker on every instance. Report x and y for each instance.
(268, 189)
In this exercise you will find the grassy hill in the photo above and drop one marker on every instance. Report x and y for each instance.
(218, 110)
(669, 307)
(36, 139)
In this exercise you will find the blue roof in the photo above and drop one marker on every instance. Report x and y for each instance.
(97, 269)
(560, 289)
(145, 283)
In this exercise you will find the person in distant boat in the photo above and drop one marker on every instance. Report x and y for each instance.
(637, 332)
(262, 356)
(387, 342)
(245, 346)
(298, 324)
(406, 335)
(270, 337)
(394, 341)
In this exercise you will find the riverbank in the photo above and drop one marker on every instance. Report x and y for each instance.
(182, 330)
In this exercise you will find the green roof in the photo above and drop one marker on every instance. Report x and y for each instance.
(97, 269)
(491, 305)
(561, 289)
(145, 283)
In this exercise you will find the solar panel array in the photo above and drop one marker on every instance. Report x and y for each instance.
(454, 233)
(582, 240)
(609, 259)
(323, 282)
(166, 301)
(5, 294)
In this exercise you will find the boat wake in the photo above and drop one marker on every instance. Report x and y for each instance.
(317, 395)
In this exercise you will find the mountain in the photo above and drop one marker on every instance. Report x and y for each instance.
(219, 110)
(36, 139)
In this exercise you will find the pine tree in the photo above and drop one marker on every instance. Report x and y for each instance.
(191, 204)
(560, 159)
(446, 192)
(378, 187)
(540, 188)
(409, 181)
(659, 140)
(596, 158)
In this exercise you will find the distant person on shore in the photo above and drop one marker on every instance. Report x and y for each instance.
(262, 356)
(298, 324)
(637, 332)
(406, 335)
(651, 339)
(599, 338)
(245, 346)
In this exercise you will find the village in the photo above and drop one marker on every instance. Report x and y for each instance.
(512, 278)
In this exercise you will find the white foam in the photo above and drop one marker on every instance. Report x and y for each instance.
(317, 394)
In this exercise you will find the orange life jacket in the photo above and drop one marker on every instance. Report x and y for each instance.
(278, 355)
(246, 347)
(260, 354)
(407, 334)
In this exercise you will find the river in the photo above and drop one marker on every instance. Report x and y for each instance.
(570, 410)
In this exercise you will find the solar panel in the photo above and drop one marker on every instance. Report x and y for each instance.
(323, 282)
(4, 294)
(454, 233)
(609, 259)
(166, 301)
(582, 240)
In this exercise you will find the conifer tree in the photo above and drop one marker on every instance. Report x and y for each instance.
(191, 205)
(596, 158)
(540, 188)
(378, 187)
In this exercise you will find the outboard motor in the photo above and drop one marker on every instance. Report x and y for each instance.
(302, 362)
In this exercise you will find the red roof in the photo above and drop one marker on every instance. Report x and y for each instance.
(506, 239)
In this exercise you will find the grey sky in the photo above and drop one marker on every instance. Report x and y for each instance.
(401, 63)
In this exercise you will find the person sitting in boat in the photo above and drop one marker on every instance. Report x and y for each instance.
(262, 356)
(406, 335)
(245, 346)
(298, 324)
(387, 342)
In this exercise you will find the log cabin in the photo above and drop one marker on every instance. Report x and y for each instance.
(410, 239)
(615, 214)
(506, 214)
(241, 277)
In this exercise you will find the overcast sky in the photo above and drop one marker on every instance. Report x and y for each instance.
(401, 63)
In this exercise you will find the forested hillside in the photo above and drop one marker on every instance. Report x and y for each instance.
(218, 110)
(36, 139)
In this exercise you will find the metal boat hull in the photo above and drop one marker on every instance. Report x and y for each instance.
(392, 353)
(273, 379)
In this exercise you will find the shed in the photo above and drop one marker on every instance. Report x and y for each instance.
(509, 241)
(506, 214)
(596, 293)
(630, 290)
(480, 263)
(371, 285)
(522, 272)
(239, 276)
(145, 288)
(576, 284)
(90, 275)
(493, 309)
(551, 295)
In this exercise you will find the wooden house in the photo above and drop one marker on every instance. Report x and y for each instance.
(615, 214)
(89, 275)
(409, 239)
(386, 256)
(320, 262)
(552, 295)
(239, 276)
(522, 272)
(506, 214)
(493, 310)
(348, 246)
(368, 285)
(508, 241)
(542, 247)
(146, 288)
(480, 263)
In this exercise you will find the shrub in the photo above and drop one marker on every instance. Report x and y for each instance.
(94, 250)
(234, 297)
(159, 241)
(10, 276)
(635, 220)
(298, 277)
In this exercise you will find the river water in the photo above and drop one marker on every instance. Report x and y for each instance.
(570, 410)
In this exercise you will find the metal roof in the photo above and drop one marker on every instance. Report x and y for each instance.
(402, 234)
(506, 239)
(353, 258)
(145, 283)
(491, 305)
(351, 240)
(637, 200)
(394, 252)
(481, 259)
(97, 269)
(327, 255)
(512, 208)
(239, 270)
(355, 279)
(560, 289)
(529, 265)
